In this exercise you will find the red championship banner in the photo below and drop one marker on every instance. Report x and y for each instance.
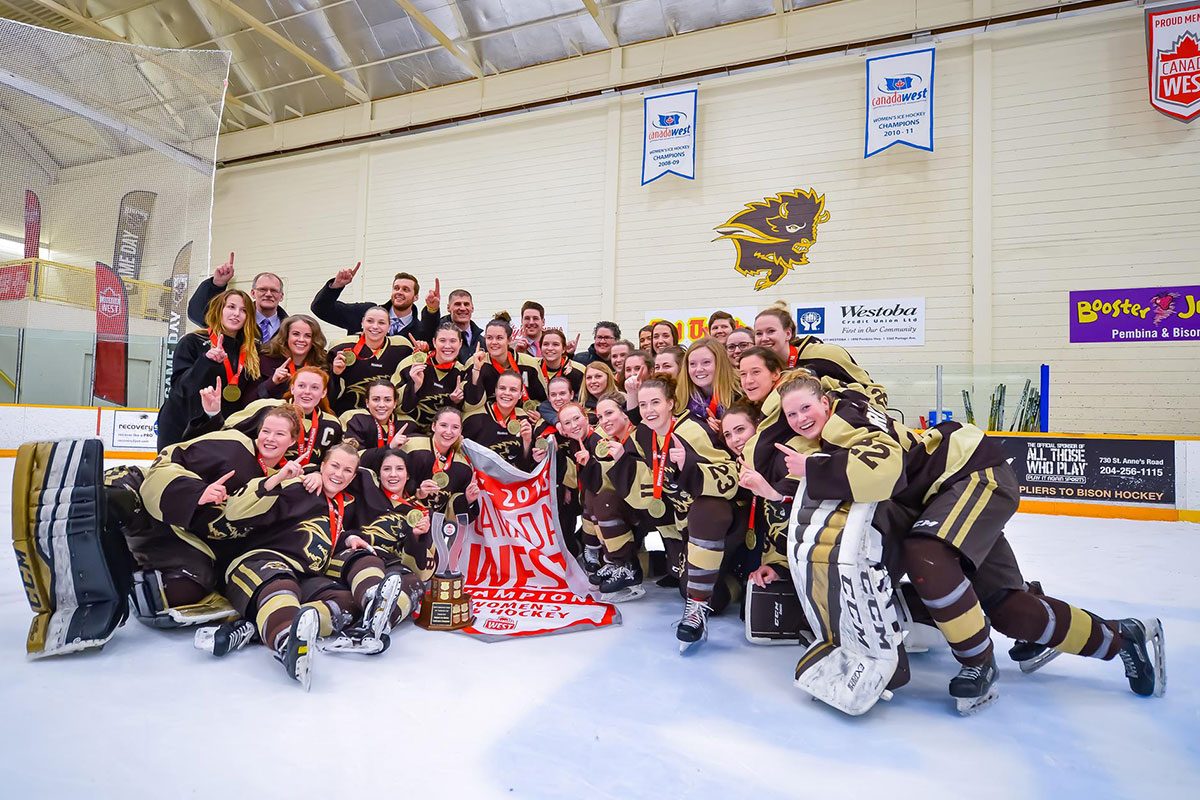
(521, 579)
(110, 366)
(14, 278)
(1173, 58)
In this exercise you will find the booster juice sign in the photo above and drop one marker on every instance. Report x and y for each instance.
(1155, 314)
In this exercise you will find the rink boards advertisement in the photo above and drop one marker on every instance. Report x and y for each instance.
(1150, 314)
(1113, 470)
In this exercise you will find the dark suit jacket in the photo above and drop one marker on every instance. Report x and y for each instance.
(205, 292)
(328, 308)
(467, 349)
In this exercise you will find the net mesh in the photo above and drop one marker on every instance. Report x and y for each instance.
(117, 142)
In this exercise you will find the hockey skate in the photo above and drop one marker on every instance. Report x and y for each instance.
(693, 628)
(224, 639)
(1145, 656)
(298, 647)
(622, 583)
(974, 688)
(1031, 656)
(591, 564)
(355, 641)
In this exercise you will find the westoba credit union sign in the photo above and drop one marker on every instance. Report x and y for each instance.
(1173, 58)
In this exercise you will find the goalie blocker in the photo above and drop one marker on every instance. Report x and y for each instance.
(74, 564)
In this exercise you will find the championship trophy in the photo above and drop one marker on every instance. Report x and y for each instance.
(445, 606)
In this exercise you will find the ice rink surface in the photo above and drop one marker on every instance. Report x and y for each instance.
(615, 712)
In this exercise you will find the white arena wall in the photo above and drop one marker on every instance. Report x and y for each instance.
(1050, 173)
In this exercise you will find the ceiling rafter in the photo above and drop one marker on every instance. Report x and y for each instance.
(234, 67)
(288, 45)
(44, 161)
(606, 27)
(445, 41)
(464, 41)
(107, 33)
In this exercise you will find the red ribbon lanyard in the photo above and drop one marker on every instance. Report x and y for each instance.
(267, 469)
(399, 499)
(753, 508)
(383, 439)
(291, 367)
(557, 373)
(307, 446)
(362, 342)
(660, 457)
(496, 415)
(500, 370)
(336, 516)
(712, 405)
(449, 365)
(231, 377)
(438, 457)
(793, 354)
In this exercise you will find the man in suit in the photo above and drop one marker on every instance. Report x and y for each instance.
(402, 315)
(266, 290)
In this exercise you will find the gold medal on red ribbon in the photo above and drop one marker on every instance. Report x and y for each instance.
(441, 480)
(348, 357)
(514, 426)
(419, 358)
(658, 507)
(602, 450)
(414, 517)
(530, 405)
(231, 393)
(542, 442)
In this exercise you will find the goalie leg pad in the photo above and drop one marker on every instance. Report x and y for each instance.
(835, 555)
(59, 536)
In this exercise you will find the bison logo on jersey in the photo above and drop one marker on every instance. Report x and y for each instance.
(774, 235)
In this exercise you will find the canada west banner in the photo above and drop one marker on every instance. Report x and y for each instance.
(900, 101)
(521, 579)
(669, 135)
(1173, 59)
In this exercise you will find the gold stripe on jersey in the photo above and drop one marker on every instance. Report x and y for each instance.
(717, 469)
(372, 572)
(351, 414)
(164, 470)
(875, 462)
(964, 626)
(251, 502)
(985, 488)
(1078, 632)
(960, 446)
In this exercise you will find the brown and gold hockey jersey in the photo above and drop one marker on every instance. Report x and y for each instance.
(309, 448)
(708, 470)
(349, 390)
(526, 365)
(178, 477)
(487, 426)
(421, 405)
(391, 534)
(827, 360)
(422, 457)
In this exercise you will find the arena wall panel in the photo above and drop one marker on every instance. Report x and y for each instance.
(1050, 173)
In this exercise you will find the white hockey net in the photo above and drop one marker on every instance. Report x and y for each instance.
(107, 154)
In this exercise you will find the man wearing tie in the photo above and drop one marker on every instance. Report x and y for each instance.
(402, 313)
(266, 291)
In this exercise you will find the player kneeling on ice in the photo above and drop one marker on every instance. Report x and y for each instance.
(305, 571)
(959, 491)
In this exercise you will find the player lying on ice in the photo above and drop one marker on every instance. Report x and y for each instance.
(948, 492)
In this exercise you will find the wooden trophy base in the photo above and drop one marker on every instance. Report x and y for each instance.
(445, 607)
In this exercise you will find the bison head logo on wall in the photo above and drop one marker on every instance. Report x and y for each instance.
(773, 235)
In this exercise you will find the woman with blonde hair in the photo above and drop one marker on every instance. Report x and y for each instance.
(299, 342)
(223, 351)
(708, 384)
(598, 380)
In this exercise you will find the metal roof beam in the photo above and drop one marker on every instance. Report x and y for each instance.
(235, 68)
(37, 154)
(101, 119)
(606, 27)
(417, 16)
(289, 46)
(104, 32)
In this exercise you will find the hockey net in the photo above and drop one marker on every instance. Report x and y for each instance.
(108, 156)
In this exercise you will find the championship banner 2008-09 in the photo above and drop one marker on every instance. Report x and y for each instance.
(521, 579)
(1173, 59)
(900, 101)
(669, 135)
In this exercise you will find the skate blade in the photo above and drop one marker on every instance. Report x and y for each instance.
(306, 631)
(1031, 665)
(346, 644)
(684, 647)
(389, 592)
(623, 595)
(968, 706)
(1157, 642)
